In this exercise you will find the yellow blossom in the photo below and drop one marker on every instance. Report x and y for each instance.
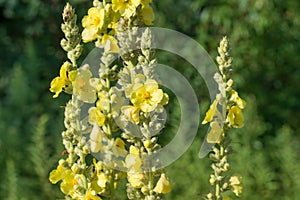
(133, 161)
(235, 117)
(95, 115)
(126, 8)
(119, 148)
(215, 133)
(68, 182)
(163, 185)
(211, 113)
(96, 139)
(131, 113)
(237, 100)
(64, 174)
(147, 97)
(82, 85)
(135, 179)
(57, 174)
(102, 179)
(236, 185)
(110, 43)
(147, 14)
(61, 82)
(103, 101)
(92, 23)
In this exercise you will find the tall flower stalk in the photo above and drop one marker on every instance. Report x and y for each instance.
(114, 111)
(224, 113)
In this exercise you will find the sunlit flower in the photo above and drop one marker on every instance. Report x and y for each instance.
(211, 113)
(68, 182)
(57, 174)
(135, 179)
(163, 185)
(133, 164)
(237, 100)
(126, 8)
(235, 117)
(95, 115)
(119, 148)
(65, 175)
(96, 139)
(92, 23)
(62, 82)
(133, 160)
(215, 133)
(147, 97)
(131, 113)
(103, 101)
(82, 85)
(110, 43)
(236, 185)
(147, 14)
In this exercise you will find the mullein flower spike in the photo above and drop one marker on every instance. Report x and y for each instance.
(111, 95)
(224, 113)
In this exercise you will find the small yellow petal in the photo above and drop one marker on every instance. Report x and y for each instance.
(163, 185)
(211, 113)
(95, 115)
(235, 117)
(215, 133)
(147, 15)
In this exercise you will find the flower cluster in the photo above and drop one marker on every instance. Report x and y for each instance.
(116, 109)
(224, 113)
(101, 22)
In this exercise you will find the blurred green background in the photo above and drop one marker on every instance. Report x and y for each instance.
(265, 41)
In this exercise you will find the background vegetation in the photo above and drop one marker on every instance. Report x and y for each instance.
(264, 36)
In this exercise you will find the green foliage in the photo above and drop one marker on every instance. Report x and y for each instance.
(264, 37)
(11, 188)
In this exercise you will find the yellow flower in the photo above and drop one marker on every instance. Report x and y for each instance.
(237, 100)
(92, 23)
(110, 43)
(163, 185)
(95, 115)
(103, 101)
(147, 97)
(215, 133)
(211, 113)
(132, 160)
(119, 148)
(135, 179)
(126, 8)
(96, 139)
(131, 113)
(68, 182)
(147, 14)
(57, 174)
(236, 185)
(65, 175)
(82, 85)
(235, 117)
(133, 163)
(61, 82)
